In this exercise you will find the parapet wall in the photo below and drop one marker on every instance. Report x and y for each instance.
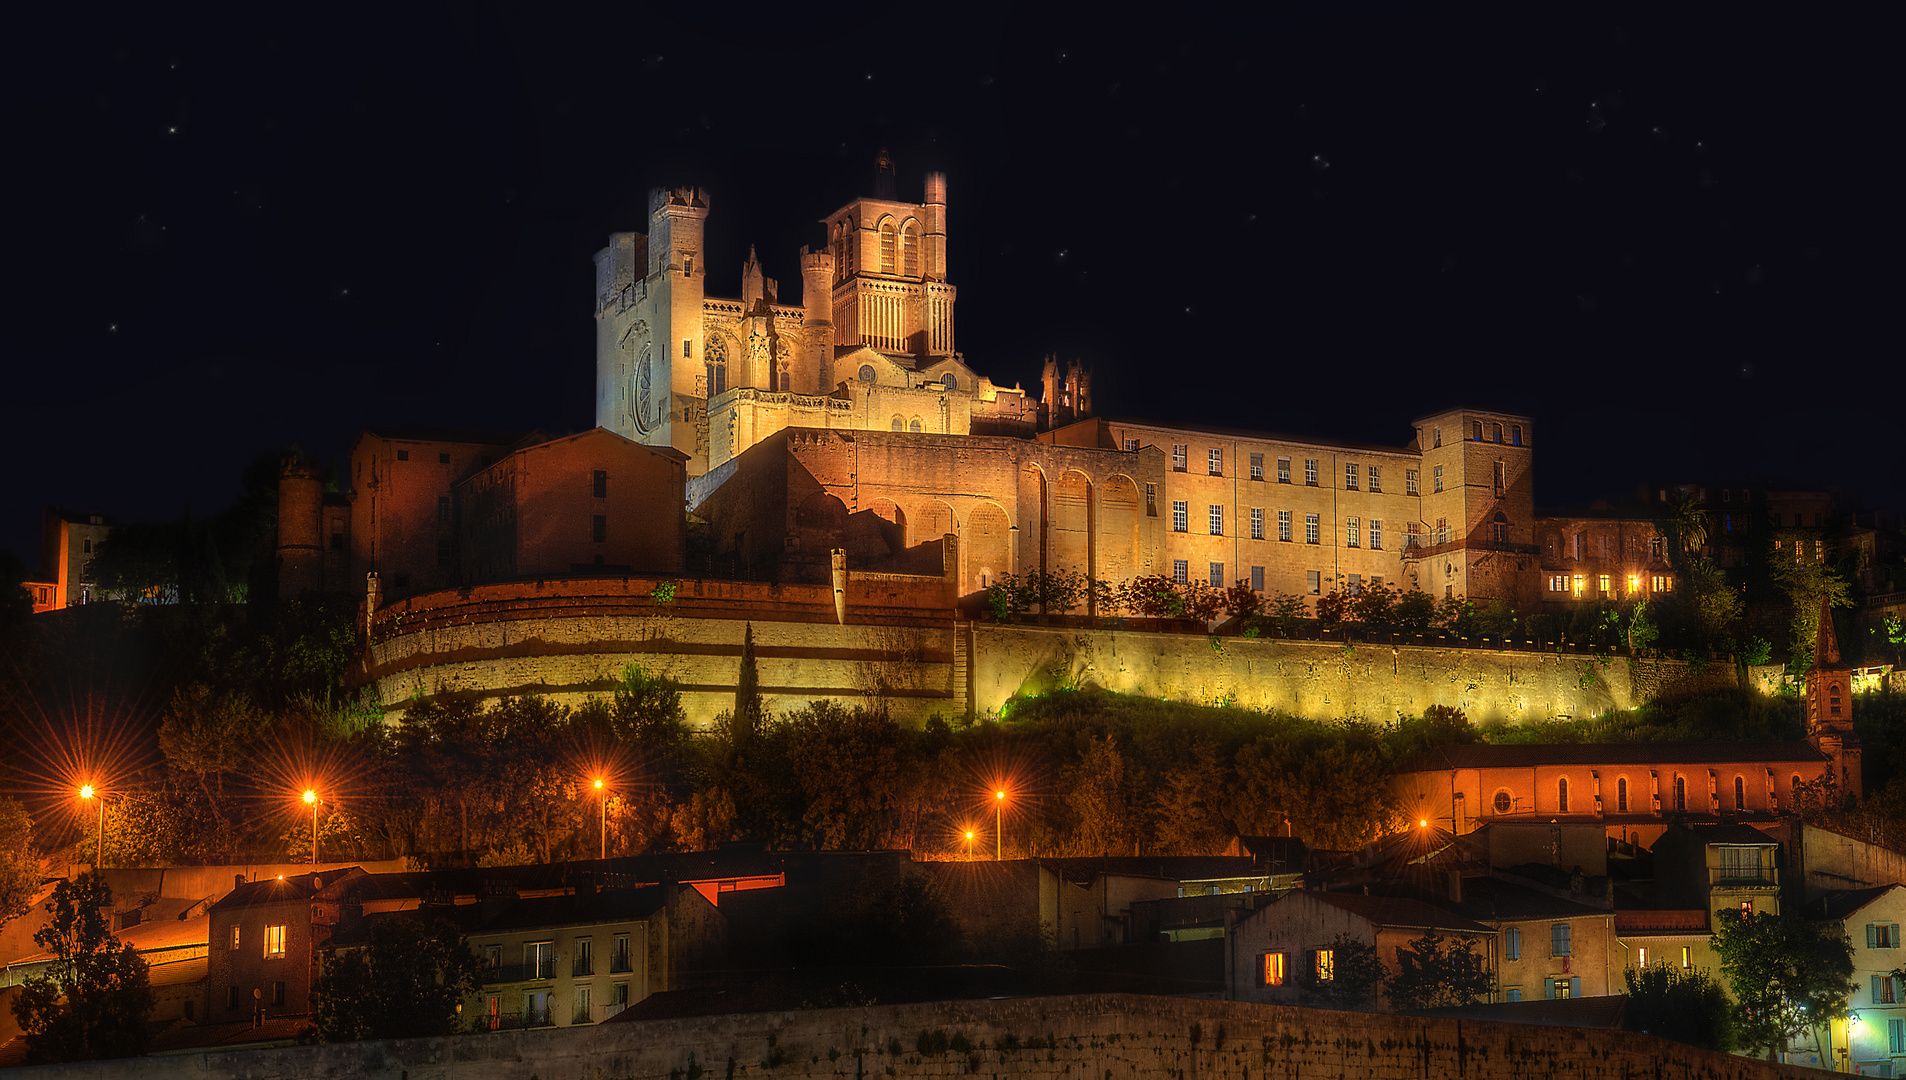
(1323, 680)
(1087, 1037)
(902, 647)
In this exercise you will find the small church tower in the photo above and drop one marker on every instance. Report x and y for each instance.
(1067, 396)
(1830, 706)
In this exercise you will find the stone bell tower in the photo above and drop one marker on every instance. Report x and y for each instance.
(1830, 706)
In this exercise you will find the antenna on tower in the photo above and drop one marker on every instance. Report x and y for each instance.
(883, 175)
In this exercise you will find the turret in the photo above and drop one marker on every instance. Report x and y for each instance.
(300, 517)
(678, 272)
(935, 223)
(817, 300)
(752, 287)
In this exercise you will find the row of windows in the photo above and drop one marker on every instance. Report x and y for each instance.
(274, 941)
(1576, 585)
(1476, 434)
(1313, 525)
(1313, 579)
(444, 459)
(1504, 801)
(1373, 474)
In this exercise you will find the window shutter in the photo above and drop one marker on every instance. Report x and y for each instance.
(1260, 973)
(1548, 988)
(1876, 990)
(1575, 987)
(1893, 941)
(1869, 935)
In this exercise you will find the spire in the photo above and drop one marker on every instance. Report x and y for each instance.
(1826, 644)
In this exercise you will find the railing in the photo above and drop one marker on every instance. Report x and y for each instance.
(1741, 875)
(619, 964)
(509, 973)
(582, 1015)
(585, 965)
(514, 1021)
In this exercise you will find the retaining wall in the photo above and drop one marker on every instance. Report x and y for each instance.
(1092, 1037)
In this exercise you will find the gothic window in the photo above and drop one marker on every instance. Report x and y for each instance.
(783, 368)
(1740, 793)
(642, 409)
(886, 247)
(715, 358)
(899, 422)
(915, 426)
(866, 373)
(910, 248)
(850, 240)
(1681, 793)
(1621, 795)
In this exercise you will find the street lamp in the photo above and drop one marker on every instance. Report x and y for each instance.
(999, 808)
(969, 843)
(605, 817)
(311, 800)
(86, 792)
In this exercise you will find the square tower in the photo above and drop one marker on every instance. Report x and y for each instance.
(1478, 497)
(649, 348)
(890, 288)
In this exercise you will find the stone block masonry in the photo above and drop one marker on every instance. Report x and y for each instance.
(1086, 1037)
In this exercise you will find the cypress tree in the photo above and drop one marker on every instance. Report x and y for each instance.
(747, 718)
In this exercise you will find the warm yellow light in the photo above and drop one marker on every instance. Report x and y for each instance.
(310, 796)
(969, 835)
(1422, 823)
(281, 877)
(1000, 795)
(86, 791)
(598, 784)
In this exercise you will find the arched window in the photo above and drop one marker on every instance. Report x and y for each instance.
(1621, 795)
(899, 422)
(886, 247)
(1681, 793)
(1503, 802)
(914, 426)
(866, 373)
(1561, 795)
(849, 242)
(1740, 793)
(715, 357)
(1501, 526)
(910, 249)
(951, 380)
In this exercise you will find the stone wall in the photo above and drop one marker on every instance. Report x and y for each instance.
(1118, 1037)
(1322, 680)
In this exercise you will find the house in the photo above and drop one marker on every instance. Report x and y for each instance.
(1711, 867)
(1873, 1037)
(1274, 950)
(1680, 938)
(261, 953)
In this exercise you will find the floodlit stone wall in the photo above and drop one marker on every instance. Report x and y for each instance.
(1117, 1037)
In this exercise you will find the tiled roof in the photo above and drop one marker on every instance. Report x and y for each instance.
(1391, 911)
(1487, 756)
(1843, 902)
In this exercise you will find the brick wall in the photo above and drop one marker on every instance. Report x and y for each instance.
(1119, 1037)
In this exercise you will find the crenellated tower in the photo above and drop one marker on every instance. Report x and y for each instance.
(1830, 706)
(1067, 393)
(650, 376)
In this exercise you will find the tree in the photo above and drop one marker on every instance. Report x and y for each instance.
(1289, 611)
(1415, 610)
(1806, 580)
(1243, 601)
(1434, 971)
(92, 1000)
(747, 719)
(1686, 1006)
(1642, 631)
(406, 982)
(1374, 606)
(1787, 972)
(1685, 524)
(1355, 973)
(1332, 607)
(19, 862)
(1457, 615)
(1152, 596)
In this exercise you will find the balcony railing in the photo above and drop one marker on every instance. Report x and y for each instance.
(509, 973)
(1738, 876)
(585, 965)
(514, 1021)
(619, 964)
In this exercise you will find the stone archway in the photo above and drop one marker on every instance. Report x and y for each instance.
(1117, 537)
(988, 548)
(1071, 541)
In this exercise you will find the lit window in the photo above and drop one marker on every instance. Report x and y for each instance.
(1310, 471)
(235, 937)
(1350, 476)
(1217, 520)
(1326, 965)
(1376, 535)
(1687, 956)
(1312, 532)
(1179, 571)
(1257, 523)
(1558, 583)
(1179, 516)
(1663, 583)
(1641, 956)
(1605, 581)
(1436, 479)
(1257, 466)
(1579, 585)
(1179, 456)
(1283, 470)
(274, 942)
(1352, 533)
(1214, 462)
(1284, 525)
(1271, 969)
(1409, 482)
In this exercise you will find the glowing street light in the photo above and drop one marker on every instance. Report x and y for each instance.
(604, 792)
(969, 843)
(999, 837)
(86, 792)
(311, 800)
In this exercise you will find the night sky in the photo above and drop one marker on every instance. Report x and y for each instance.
(1668, 232)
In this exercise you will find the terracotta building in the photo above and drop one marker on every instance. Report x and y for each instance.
(1595, 555)
(68, 542)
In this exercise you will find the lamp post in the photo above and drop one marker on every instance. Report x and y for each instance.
(999, 836)
(603, 792)
(311, 800)
(969, 843)
(86, 792)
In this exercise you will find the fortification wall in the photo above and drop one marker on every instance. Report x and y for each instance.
(569, 639)
(1118, 1037)
(1322, 680)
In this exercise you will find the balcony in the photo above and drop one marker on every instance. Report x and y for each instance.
(514, 1021)
(514, 973)
(584, 966)
(619, 964)
(1742, 877)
